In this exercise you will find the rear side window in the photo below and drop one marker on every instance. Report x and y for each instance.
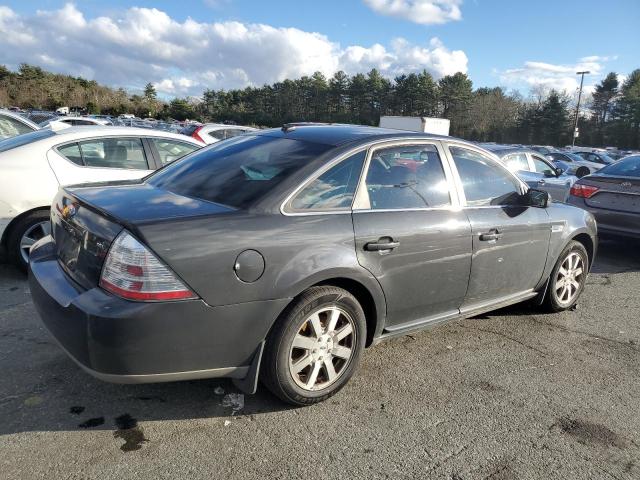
(171, 150)
(334, 189)
(217, 134)
(72, 153)
(410, 176)
(516, 161)
(10, 127)
(114, 153)
(484, 182)
(239, 171)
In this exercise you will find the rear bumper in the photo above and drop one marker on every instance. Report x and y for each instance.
(134, 342)
(611, 222)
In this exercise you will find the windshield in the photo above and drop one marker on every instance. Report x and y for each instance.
(25, 138)
(628, 167)
(239, 171)
(606, 158)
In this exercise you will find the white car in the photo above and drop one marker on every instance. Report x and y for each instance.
(214, 132)
(12, 124)
(76, 121)
(35, 164)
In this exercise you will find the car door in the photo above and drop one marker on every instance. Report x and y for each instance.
(410, 232)
(510, 241)
(558, 186)
(99, 159)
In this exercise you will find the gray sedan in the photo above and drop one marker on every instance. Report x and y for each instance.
(612, 195)
(281, 254)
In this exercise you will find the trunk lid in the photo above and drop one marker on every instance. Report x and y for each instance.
(616, 193)
(86, 219)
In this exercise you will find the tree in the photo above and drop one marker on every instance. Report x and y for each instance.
(181, 109)
(150, 93)
(602, 97)
(455, 99)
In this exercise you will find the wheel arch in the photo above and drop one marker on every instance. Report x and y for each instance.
(586, 240)
(15, 220)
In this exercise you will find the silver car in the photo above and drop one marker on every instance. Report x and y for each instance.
(13, 124)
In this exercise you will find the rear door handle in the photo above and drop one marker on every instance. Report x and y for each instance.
(491, 235)
(381, 245)
(541, 182)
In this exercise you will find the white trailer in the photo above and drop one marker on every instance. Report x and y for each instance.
(437, 126)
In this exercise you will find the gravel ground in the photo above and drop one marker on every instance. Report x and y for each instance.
(512, 394)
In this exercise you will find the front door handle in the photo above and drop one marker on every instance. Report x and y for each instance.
(491, 235)
(381, 245)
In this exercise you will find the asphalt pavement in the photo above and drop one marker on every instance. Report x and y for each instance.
(511, 394)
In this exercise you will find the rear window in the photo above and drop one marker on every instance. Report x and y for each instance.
(25, 138)
(238, 171)
(629, 167)
(188, 130)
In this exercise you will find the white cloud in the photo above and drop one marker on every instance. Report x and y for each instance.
(560, 77)
(426, 12)
(141, 45)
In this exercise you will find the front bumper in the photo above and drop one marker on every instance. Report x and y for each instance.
(121, 341)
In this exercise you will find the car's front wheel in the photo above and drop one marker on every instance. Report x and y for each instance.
(315, 346)
(568, 277)
(27, 231)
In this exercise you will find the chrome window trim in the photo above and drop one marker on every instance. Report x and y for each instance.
(361, 198)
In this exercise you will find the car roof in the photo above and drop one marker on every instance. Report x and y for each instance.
(502, 150)
(88, 131)
(337, 135)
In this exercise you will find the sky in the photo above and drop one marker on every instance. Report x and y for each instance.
(186, 46)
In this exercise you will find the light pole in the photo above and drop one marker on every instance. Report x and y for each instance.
(575, 125)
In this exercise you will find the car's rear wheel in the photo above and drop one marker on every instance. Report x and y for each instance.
(568, 278)
(27, 231)
(315, 346)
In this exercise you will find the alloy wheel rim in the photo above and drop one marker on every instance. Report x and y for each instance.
(34, 233)
(322, 349)
(569, 278)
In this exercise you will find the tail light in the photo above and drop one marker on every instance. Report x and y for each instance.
(131, 271)
(583, 191)
(196, 134)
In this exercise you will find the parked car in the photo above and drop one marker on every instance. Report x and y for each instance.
(576, 165)
(612, 195)
(596, 157)
(214, 132)
(537, 171)
(543, 149)
(34, 164)
(76, 121)
(12, 124)
(282, 253)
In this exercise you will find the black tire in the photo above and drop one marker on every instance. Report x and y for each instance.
(16, 233)
(276, 374)
(582, 172)
(553, 301)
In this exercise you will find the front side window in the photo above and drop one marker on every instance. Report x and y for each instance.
(114, 153)
(484, 182)
(516, 161)
(409, 176)
(171, 150)
(334, 189)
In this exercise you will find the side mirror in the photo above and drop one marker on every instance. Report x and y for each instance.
(559, 171)
(536, 198)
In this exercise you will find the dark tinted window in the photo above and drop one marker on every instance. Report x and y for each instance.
(561, 156)
(239, 171)
(409, 176)
(25, 138)
(628, 167)
(71, 152)
(189, 129)
(217, 134)
(334, 189)
(484, 182)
